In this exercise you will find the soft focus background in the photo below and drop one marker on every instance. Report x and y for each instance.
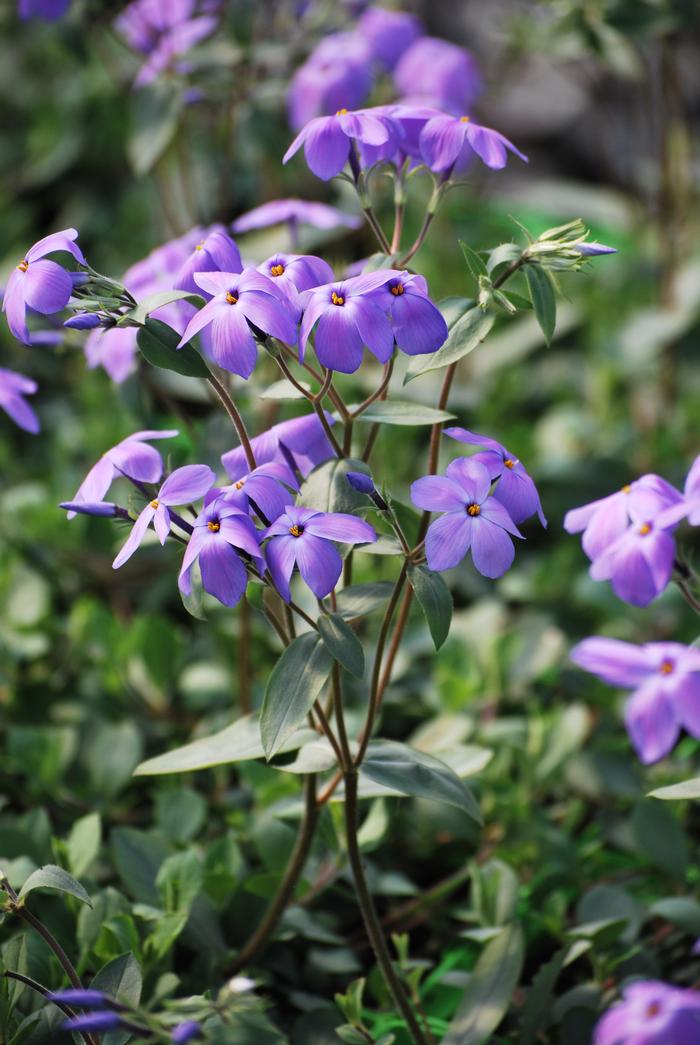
(100, 669)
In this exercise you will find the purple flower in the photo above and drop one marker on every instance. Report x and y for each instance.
(349, 315)
(163, 29)
(689, 507)
(181, 487)
(592, 250)
(418, 325)
(187, 1031)
(604, 520)
(100, 509)
(294, 273)
(215, 253)
(327, 140)
(83, 321)
(295, 212)
(239, 299)
(361, 482)
(90, 999)
(172, 45)
(132, 457)
(665, 677)
(409, 120)
(220, 531)
(435, 72)
(639, 564)
(13, 388)
(300, 444)
(39, 284)
(113, 348)
(336, 74)
(515, 490)
(264, 490)
(49, 10)
(304, 537)
(388, 34)
(651, 1013)
(473, 519)
(97, 1021)
(451, 141)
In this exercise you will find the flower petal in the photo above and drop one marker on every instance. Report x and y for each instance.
(338, 342)
(96, 483)
(232, 343)
(326, 147)
(64, 240)
(435, 493)
(186, 484)
(47, 287)
(617, 662)
(492, 548)
(339, 526)
(319, 563)
(280, 554)
(223, 574)
(373, 327)
(135, 537)
(419, 326)
(14, 308)
(651, 723)
(441, 142)
(448, 540)
(137, 460)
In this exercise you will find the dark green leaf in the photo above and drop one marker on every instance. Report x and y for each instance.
(502, 255)
(53, 877)
(392, 412)
(120, 978)
(419, 775)
(434, 599)
(474, 261)
(489, 991)
(535, 1011)
(543, 298)
(137, 857)
(296, 680)
(342, 643)
(155, 110)
(153, 301)
(680, 911)
(158, 344)
(361, 599)
(465, 335)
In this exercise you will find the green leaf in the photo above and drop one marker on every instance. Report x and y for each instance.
(153, 301)
(475, 262)
(680, 911)
(361, 599)
(434, 599)
(490, 988)
(503, 255)
(120, 978)
(543, 298)
(465, 335)
(239, 742)
(137, 857)
(328, 489)
(535, 1011)
(660, 837)
(453, 308)
(296, 680)
(342, 643)
(393, 412)
(52, 877)
(158, 344)
(84, 842)
(155, 110)
(419, 775)
(674, 792)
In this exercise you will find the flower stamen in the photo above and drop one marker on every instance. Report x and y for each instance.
(154, 504)
(296, 531)
(626, 488)
(397, 290)
(23, 265)
(341, 112)
(666, 667)
(239, 485)
(509, 462)
(277, 270)
(231, 298)
(644, 530)
(214, 525)
(464, 119)
(473, 509)
(653, 1009)
(337, 299)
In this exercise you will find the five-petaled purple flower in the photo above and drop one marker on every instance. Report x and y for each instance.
(436, 72)
(220, 531)
(40, 284)
(327, 140)
(473, 519)
(304, 537)
(295, 212)
(417, 324)
(515, 489)
(665, 677)
(262, 491)
(388, 34)
(183, 486)
(651, 1013)
(215, 253)
(349, 316)
(239, 299)
(451, 141)
(294, 273)
(132, 457)
(300, 443)
(337, 73)
(13, 388)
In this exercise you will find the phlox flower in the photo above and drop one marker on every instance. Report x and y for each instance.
(651, 1013)
(388, 34)
(40, 284)
(240, 299)
(473, 519)
(219, 533)
(164, 30)
(408, 121)
(181, 487)
(337, 73)
(327, 140)
(515, 489)
(435, 72)
(294, 273)
(216, 252)
(451, 141)
(132, 457)
(639, 564)
(349, 316)
(299, 443)
(49, 10)
(665, 679)
(13, 388)
(263, 491)
(186, 1032)
(113, 348)
(417, 324)
(295, 212)
(304, 538)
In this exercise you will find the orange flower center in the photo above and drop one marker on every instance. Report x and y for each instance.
(644, 530)
(199, 246)
(23, 265)
(509, 462)
(296, 531)
(154, 504)
(340, 112)
(666, 667)
(231, 298)
(239, 484)
(652, 1010)
(626, 488)
(277, 270)
(473, 509)
(337, 299)
(464, 119)
(214, 526)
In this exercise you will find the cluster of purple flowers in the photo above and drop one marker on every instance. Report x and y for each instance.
(165, 30)
(651, 1013)
(478, 516)
(224, 539)
(343, 66)
(628, 535)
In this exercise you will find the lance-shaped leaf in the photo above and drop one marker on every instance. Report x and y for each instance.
(393, 412)
(53, 877)
(490, 988)
(342, 643)
(361, 599)
(296, 680)
(543, 298)
(419, 775)
(434, 599)
(468, 332)
(158, 344)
